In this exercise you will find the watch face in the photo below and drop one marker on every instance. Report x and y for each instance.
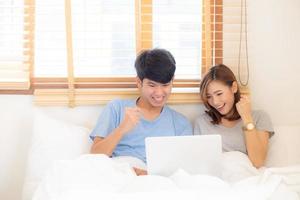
(250, 126)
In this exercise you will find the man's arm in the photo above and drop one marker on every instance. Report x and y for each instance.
(108, 144)
(140, 172)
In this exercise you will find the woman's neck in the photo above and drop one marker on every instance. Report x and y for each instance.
(227, 123)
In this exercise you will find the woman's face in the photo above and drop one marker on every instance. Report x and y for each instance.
(221, 96)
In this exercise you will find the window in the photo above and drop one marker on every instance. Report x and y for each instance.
(177, 26)
(103, 36)
(82, 51)
(14, 69)
(106, 36)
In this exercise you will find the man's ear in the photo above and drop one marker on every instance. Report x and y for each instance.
(138, 82)
(234, 87)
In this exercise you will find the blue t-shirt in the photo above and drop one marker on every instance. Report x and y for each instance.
(168, 123)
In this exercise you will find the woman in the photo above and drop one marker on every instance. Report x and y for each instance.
(229, 114)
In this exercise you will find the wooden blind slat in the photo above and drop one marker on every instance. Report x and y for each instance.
(16, 67)
(68, 16)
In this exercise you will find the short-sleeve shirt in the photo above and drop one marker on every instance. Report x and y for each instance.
(233, 138)
(168, 123)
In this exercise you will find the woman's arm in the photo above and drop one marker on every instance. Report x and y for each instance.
(256, 141)
(257, 146)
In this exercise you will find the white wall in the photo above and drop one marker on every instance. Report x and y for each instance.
(15, 133)
(274, 51)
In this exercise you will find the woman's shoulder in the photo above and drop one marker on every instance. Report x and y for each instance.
(259, 114)
(203, 118)
(177, 116)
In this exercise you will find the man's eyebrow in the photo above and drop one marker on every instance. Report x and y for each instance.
(151, 82)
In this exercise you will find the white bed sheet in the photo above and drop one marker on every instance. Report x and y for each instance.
(99, 177)
(70, 128)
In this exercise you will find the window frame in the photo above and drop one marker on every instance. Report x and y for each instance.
(212, 33)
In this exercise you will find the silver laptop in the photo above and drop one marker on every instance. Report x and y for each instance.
(199, 154)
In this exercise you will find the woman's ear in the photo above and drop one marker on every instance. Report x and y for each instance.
(234, 87)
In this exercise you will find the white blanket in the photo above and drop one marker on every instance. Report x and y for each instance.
(92, 177)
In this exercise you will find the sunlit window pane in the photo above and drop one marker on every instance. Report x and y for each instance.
(177, 26)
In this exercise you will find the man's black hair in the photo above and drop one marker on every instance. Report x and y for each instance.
(156, 64)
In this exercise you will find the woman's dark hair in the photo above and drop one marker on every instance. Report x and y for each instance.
(223, 74)
(157, 65)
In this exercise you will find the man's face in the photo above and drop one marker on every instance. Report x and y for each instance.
(156, 94)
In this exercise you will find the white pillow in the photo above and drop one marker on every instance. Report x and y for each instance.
(52, 140)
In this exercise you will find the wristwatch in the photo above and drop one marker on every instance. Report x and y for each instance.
(248, 127)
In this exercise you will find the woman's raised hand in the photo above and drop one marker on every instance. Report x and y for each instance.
(243, 106)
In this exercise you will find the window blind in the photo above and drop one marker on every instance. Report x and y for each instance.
(108, 34)
(177, 26)
(15, 41)
(34, 47)
(149, 31)
(228, 38)
(33, 38)
(103, 36)
(235, 37)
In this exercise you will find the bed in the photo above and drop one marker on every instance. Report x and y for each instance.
(59, 167)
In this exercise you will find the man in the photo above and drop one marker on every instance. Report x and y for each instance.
(124, 124)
